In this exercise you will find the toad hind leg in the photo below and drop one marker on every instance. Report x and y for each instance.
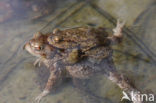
(118, 29)
(117, 33)
(123, 83)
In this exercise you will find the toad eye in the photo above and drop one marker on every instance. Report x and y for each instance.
(39, 48)
(36, 45)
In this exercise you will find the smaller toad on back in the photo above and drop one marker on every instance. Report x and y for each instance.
(78, 53)
(83, 42)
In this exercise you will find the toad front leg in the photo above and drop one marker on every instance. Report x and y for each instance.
(38, 61)
(55, 75)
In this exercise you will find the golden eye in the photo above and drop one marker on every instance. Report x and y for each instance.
(56, 39)
(39, 48)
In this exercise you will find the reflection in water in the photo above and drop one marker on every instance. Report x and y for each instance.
(135, 56)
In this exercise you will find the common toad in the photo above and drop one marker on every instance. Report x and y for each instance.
(78, 53)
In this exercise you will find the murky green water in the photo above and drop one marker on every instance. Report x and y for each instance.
(136, 56)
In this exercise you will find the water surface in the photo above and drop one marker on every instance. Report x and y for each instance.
(136, 56)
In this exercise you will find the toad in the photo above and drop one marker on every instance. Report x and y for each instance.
(78, 53)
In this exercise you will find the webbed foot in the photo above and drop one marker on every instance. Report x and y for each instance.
(118, 29)
(38, 61)
(39, 97)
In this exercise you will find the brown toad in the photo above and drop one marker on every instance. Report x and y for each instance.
(78, 53)
(80, 42)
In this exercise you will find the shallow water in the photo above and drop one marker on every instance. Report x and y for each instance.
(135, 57)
